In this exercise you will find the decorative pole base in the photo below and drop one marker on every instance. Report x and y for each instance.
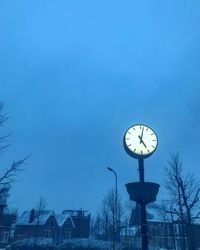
(142, 192)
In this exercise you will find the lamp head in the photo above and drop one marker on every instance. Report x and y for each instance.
(110, 169)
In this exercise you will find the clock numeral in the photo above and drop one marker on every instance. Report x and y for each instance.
(133, 128)
(129, 145)
(141, 152)
(148, 151)
(154, 140)
(129, 132)
(153, 146)
(146, 129)
(127, 138)
(134, 149)
(152, 134)
(140, 127)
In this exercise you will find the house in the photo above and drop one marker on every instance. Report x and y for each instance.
(81, 220)
(6, 227)
(54, 226)
(66, 227)
(7, 220)
(36, 223)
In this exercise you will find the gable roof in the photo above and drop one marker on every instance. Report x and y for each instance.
(61, 219)
(43, 217)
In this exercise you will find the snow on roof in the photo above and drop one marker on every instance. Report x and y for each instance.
(39, 218)
(61, 218)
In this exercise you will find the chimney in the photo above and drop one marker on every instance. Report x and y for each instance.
(32, 216)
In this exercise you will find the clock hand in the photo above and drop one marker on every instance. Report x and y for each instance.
(141, 141)
(141, 136)
(144, 143)
(142, 133)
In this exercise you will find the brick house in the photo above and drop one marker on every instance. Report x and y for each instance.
(7, 220)
(54, 226)
(6, 227)
(66, 227)
(81, 221)
(36, 224)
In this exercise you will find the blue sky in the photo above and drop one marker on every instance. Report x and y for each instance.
(74, 75)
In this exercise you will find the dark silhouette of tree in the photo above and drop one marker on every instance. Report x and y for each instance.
(9, 174)
(37, 216)
(184, 191)
(105, 220)
(4, 194)
(42, 204)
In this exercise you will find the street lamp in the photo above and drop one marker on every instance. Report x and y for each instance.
(115, 208)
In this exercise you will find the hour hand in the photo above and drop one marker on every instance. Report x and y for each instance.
(141, 141)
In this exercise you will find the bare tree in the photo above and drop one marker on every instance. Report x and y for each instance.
(184, 191)
(3, 138)
(4, 194)
(161, 210)
(105, 220)
(42, 204)
(37, 214)
(96, 228)
(9, 174)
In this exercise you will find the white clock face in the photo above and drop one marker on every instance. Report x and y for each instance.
(141, 140)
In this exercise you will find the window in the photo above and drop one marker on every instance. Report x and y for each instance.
(68, 235)
(4, 237)
(177, 229)
(47, 233)
(52, 222)
(68, 224)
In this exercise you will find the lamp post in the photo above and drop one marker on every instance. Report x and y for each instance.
(115, 208)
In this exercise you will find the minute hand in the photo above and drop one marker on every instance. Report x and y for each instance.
(142, 133)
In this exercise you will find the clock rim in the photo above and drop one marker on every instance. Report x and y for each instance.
(135, 155)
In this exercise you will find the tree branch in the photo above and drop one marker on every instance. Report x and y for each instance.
(11, 172)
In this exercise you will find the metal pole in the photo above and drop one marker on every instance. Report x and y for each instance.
(116, 226)
(141, 170)
(143, 218)
(115, 208)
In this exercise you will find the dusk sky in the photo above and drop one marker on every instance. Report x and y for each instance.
(74, 75)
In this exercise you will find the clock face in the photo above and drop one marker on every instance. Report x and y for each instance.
(140, 141)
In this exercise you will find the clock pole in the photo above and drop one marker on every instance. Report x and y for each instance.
(136, 144)
(143, 213)
(141, 169)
